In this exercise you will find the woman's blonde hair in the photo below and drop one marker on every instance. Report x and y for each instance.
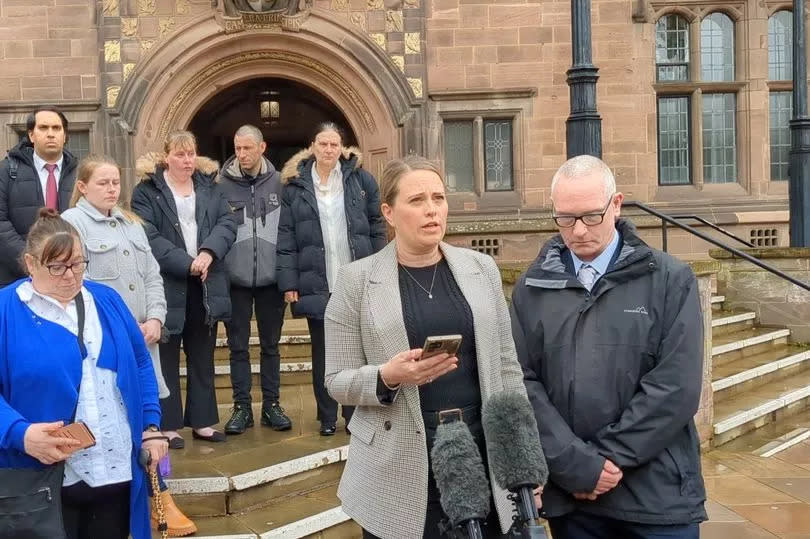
(180, 139)
(84, 172)
(397, 168)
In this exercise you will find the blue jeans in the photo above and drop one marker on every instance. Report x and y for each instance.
(579, 525)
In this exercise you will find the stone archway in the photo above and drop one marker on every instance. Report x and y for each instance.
(177, 78)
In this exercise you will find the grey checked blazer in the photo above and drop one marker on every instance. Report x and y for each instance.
(384, 484)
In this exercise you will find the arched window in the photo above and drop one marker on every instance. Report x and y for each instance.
(716, 48)
(672, 48)
(780, 46)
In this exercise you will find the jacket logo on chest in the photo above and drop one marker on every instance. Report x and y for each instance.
(273, 199)
(638, 310)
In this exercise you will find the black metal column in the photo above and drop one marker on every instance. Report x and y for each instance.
(583, 132)
(800, 137)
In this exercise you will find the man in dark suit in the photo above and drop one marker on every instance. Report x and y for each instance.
(38, 172)
(609, 334)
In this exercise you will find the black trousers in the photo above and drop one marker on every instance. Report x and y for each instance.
(579, 525)
(327, 406)
(96, 513)
(198, 341)
(270, 308)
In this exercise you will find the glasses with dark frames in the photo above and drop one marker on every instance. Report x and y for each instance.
(588, 219)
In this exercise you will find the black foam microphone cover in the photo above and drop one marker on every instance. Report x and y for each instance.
(513, 442)
(459, 473)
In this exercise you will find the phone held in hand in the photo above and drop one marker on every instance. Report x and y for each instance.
(77, 431)
(439, 344)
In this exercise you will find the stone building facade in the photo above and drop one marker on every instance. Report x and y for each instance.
(692, 99)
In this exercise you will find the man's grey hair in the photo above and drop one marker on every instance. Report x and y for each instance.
(581, 166)
(252, 131)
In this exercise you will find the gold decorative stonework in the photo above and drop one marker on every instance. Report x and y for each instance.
(146, 7)
(374, 4)
(112, 95)
(359, 20)
(393, 21)
(416, 86)
(340, 5)
(146, 44)
(379, 39)
(209, 75)
(110, 8)
(112, 51)
(261, 20)
(166, 25)
(399, 61)
(413, 43)
(129, 27)
(182, 7)
(128, 69)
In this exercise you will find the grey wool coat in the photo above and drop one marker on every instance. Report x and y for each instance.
(385, 482)
(120, 257)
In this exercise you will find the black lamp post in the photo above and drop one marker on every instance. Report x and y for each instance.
(583, 133)
(800, 137)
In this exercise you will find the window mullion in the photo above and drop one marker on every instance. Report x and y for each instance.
(478, 155)
(696, 146)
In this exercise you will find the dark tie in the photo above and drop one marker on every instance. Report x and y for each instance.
(51, 193)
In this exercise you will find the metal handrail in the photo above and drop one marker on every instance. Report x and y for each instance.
(715, 227)
(736, 252)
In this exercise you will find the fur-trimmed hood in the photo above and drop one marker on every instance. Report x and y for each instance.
(147, 164)
(290, 169)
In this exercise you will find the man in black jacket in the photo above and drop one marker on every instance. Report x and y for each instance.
(609, 334)
(253, 189)
(38, 172)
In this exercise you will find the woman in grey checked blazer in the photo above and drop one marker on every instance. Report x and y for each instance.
(376, 321)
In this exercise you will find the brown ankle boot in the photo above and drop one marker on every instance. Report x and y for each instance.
(179, 524)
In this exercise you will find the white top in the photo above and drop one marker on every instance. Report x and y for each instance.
(187, 213)
(332, 214)
(39, 164)
(101, 405)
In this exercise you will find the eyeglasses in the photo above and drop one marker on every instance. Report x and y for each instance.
(57, 270)
(588, 219)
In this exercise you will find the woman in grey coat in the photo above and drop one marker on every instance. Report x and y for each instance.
(120, 257)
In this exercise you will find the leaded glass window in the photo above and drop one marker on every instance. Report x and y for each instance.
(673, 140)
(719, 138)
(781, 109)
(498, 155)
(780, 46)
(672, 48)
(458, 155)
(78, 143)
(717, 48)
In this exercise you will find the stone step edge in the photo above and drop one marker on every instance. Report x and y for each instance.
(718, 299)
(255, 368)
(294, 530)
(733, 319)
(253, 478)
(756, 372)
(222, 342)
(760, 410)
(790, 439)
(751, 341)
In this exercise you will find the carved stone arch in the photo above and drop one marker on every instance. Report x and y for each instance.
(664, 10)
(199, 60)
(736, 15)
(779, 6)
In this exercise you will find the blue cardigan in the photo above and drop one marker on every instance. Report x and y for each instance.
(40, 372)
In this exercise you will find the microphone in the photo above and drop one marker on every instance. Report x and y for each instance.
(460, 477)
(516, 458)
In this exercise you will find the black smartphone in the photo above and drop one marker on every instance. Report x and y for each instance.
(438, 344)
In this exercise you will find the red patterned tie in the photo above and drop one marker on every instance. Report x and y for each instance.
(51, 193)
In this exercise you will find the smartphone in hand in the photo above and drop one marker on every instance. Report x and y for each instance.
(440, 344)
(77, 431)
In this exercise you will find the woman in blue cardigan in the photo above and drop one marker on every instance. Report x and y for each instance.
(46, 377)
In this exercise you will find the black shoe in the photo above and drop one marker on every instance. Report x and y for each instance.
(177, 443)
(328, 429)
(275, 418)
(215, 437)
(240, 421)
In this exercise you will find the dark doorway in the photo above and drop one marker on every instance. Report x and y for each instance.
(300, 109)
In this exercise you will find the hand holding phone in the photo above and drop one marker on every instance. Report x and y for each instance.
(76, 431)
(441, 344)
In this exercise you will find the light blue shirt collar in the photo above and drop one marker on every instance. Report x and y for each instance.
(601, 262)
(40, 163)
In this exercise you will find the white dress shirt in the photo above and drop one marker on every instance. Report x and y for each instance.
(100, 406)
(39, 164)
(332, 214)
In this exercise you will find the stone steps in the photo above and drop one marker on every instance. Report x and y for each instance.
(774, 437)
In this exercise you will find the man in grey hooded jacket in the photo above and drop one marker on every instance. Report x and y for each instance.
(610, 337)
(252, 187)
